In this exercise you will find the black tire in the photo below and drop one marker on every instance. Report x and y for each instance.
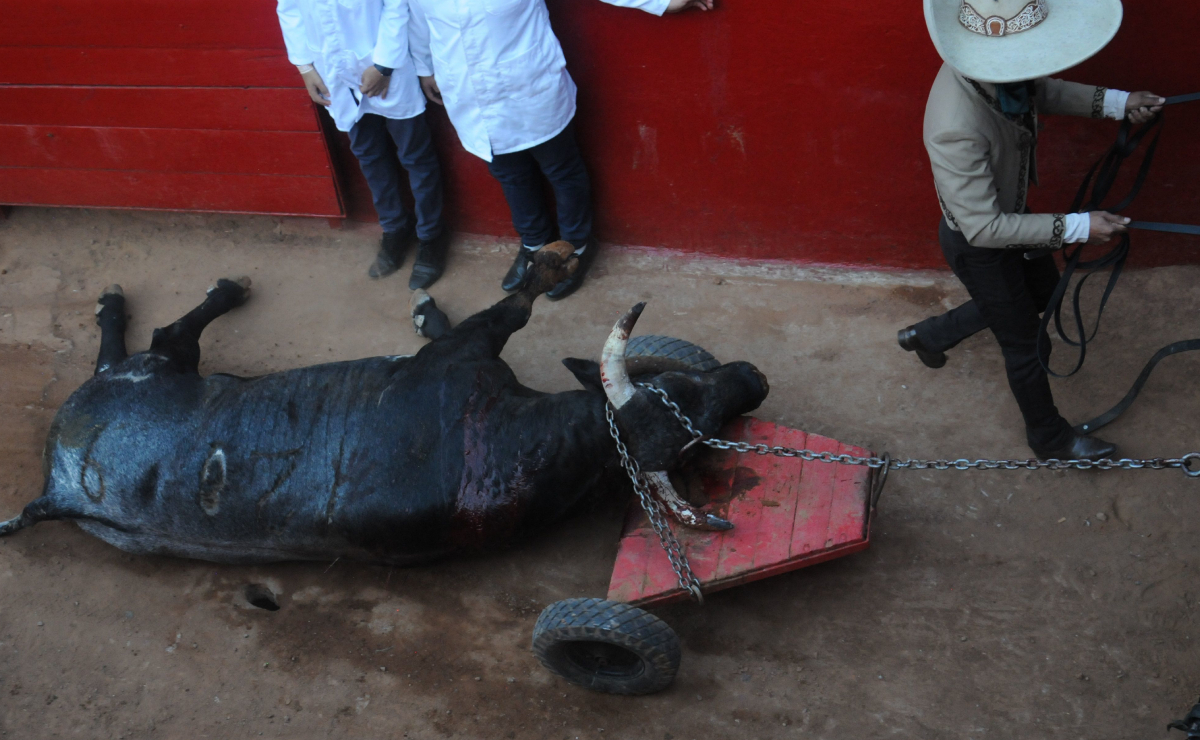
(686, 354)
(607, 646)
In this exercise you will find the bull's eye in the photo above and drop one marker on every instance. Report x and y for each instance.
(212, 481)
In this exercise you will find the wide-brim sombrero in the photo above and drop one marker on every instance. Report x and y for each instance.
(1072, 31)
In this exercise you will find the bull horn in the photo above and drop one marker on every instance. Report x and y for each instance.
(684, 512)
(613, 373)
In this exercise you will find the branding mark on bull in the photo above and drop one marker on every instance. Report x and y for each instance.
(212, 481)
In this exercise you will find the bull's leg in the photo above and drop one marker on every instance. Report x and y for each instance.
(490, 329)
(110, 315)
(180, 342)
(429, 320)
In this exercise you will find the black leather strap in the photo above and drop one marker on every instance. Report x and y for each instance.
(1099, 182)
(1169, 228)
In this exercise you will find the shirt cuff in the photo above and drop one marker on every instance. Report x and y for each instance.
(1079, 226)
(1114, 104)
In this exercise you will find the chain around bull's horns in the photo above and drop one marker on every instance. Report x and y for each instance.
(1189, 464)
(655, 513)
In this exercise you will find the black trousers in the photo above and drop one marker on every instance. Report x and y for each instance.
(1008, 292)
(520, 175)
(383, 146)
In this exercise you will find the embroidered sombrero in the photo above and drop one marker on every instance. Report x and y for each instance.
(1013, 40)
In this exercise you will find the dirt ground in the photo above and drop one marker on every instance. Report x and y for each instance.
(990, 605)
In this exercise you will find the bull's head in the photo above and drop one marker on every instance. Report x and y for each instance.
(654, 436)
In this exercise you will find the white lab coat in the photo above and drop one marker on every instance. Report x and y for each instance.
(500, 68)
(342, 38)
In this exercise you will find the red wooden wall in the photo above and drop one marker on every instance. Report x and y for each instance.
(788, 129)
(767, 129)
(180, 105)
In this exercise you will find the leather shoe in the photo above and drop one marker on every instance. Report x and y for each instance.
(391, 253)
(1079, 447)
(517, 276)
(430, 262)
(571, 284)
(909, 342)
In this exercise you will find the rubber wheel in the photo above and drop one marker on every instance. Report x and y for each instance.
(607, 646)
(681, 353)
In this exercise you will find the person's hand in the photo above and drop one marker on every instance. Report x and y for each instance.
(1142, 106)
(674, 6)
(374, 83)
(1104, 226)
(429, 86)
(316, 87)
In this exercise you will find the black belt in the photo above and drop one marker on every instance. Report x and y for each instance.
(1099, 180)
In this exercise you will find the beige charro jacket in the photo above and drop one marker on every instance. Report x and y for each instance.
(983, 161)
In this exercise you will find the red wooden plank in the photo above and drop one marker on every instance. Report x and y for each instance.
(737, 547)
(216, 24)
(273, 194)
(165, 150)
(779, 500)
(830, 516)
(57, 65)
(267, 109)
(848, 513)
(817, 489)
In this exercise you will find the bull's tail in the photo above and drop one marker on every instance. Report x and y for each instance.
(12, 525)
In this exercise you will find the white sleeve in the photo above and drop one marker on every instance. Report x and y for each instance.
(1079, 228)
(656, 7)
(291, 22)
(418, 39)
(391, 48)
(1114, 104)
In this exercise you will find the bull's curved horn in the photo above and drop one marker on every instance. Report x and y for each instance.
(684, 513)
(613, 374)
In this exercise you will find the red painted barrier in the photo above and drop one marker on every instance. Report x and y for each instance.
(762, 130)
(187, 105)
(792, 130)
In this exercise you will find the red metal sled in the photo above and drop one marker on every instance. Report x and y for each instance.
(787, 514)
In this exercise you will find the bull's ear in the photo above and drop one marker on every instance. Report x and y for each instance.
(587, 372)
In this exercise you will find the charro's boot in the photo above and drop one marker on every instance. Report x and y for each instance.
(910, 342)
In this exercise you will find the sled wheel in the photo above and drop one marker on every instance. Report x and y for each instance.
(607, 646)
(650, 353)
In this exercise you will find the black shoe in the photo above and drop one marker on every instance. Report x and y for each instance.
(1079, 447)
(571, 284)
(391, 253)
(430, 262)
(909, 342)
(517, 276)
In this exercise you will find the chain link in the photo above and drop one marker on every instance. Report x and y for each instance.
(1189, 464)
(655, 513)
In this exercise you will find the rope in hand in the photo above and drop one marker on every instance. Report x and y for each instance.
(1095, 188)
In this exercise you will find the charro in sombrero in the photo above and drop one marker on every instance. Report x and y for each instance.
(1011, 40)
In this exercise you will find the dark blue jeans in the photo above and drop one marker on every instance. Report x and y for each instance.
(1007, 294)
(382, 145)
(520, 174)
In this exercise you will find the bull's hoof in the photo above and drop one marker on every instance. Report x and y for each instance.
(607, 646)
(113, 295)
(428, 320)
(238, 288)
(552, 264)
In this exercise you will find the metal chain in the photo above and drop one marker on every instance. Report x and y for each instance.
(655, 512)
(1189, 464)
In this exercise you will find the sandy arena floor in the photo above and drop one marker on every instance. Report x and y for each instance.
(990, 605)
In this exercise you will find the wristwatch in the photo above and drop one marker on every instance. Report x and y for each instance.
(385, 71)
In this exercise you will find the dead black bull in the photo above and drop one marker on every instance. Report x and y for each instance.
(389, 459)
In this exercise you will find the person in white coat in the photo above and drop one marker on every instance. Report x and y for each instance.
(499, 70)
(354, 58)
